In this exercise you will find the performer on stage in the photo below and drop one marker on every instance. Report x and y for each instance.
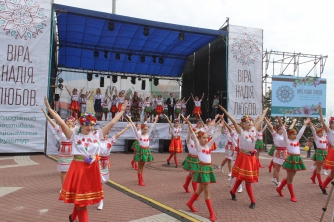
(135, 115)
(147, 108)
(74, 101)
(113, 108)
(159, 109)
(106, 145)
(204, 174)
(83, 102)
(197, 111)
(120, 101)
(184, 106)
(293, 162)
(170, 103)
(65, 156)
(98, 103)
(321, 153)
(143, 154)
(215, 104)
(175, 145)
(191, 163)
(230, 133)
(78, 188)
(329, 160)
(280, 153)
(177, 109)
(165, 107)
(105, 108)
(246, 167)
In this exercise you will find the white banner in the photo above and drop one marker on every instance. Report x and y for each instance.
(160, 131)
(24, 62)
(245, 71)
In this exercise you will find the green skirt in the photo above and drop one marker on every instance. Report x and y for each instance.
(272, 150)
(204, 174)
(294, 163)
(177, 111)
(147, 109)
(190, 163)
(105, 110)
(259, 145)
(143, 155)
(135, 145)
(320, 155)
(165, 111)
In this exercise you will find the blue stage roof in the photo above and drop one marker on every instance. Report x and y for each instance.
(82, 31)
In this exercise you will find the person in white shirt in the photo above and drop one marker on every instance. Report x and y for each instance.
(197, 111)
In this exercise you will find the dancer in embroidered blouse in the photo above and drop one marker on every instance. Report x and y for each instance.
(321, 152)
(209, 129)
(105, 108)
(230, 133)
(184, 106)
(106, 145)
(143, 154)
(65, 156)
(165, 107)
(98, 103)
(177, 108)
(113, 108)
(159, 109)
(204, 174)
(135, 115)
(78, 188)
(74, 101)
(120, 101)
(293, 162)
(259, 145)
(280, 152)
(328, 163)
(197, 111)
(246, 167)
(175, 145)
(191, 162)
(83, 102)
(147, 108)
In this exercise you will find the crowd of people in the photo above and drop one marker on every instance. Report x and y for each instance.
(84, 153)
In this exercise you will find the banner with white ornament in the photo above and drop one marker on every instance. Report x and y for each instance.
(24, 62)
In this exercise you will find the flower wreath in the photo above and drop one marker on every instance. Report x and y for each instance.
(245, 118)
(87, 118)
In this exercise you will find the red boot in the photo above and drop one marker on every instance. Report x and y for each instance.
(140, 180)
(319, 179)
(186, 184)
(170, 157)
(191, 202)
(260, 165)
(313, 176)
(292, 193)
(175, 160)
(212, 213)
(133, 163)
(195, 185)
(136, 166)
(326, 182)
(83, 215)
(279, 189)
(270, 166)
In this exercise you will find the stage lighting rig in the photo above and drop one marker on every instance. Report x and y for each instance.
(143, 84)
(111, 26)
(142, 58)
(60, 80)
(105, 54)
(181, 36)
(101, 81)
(89, 76)
(156, 81)
(133, 80)
(118, 56)
(114, 79)
(161, 60)
(129, 56)
(146, 31)
(96, 75)
(154, 59)
(96, 53)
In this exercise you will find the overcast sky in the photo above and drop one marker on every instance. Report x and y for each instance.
(289, 25)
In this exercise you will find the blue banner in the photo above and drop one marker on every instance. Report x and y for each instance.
(298, 96)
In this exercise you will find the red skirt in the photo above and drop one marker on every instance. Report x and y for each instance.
(120, 107)
(159, 110)
(113, 109)
(329, 160)
(246, 168)
(214, 145)
(197, 110)
(82, 184)
(74, 106)
(175, 145)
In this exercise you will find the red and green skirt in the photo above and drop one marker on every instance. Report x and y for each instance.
(82, 184)
(204, 173)
(191, 163)
(135, 145)
(294, 163)
(272, 150)
(246, 167)
(329, 161)
(319, 155)
(143, 154)
(175, 145)
(259, 145)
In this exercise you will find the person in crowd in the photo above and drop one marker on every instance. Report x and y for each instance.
(98, 103)
(197, 111)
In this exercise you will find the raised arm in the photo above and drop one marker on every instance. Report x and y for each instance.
(294, 120)
(264, 128)
(184, 122)
(68, 90)
(188, 99)
(271, 128)
(49, 119)
(108, 127)
(82, 90)
(123, 131)
(236, 126)
(322, 119)
(152, 126)
(66, 130)
(192, 96)
(196, 142)
(170, 123)
(202, 96)
(133, 127)
(259, 122)
(301, 131)
(214, 138)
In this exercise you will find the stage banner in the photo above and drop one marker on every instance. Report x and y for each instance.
(298, 96)
(24, 63)
(160, 131)
(245, 47)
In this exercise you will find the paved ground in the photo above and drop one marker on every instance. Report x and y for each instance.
(29, 189)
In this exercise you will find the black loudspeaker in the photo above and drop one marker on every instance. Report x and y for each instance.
(164, 145)
(101, 81)
(56, 97)
(128, 144)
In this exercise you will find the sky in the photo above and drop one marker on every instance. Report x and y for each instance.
(288, 25)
